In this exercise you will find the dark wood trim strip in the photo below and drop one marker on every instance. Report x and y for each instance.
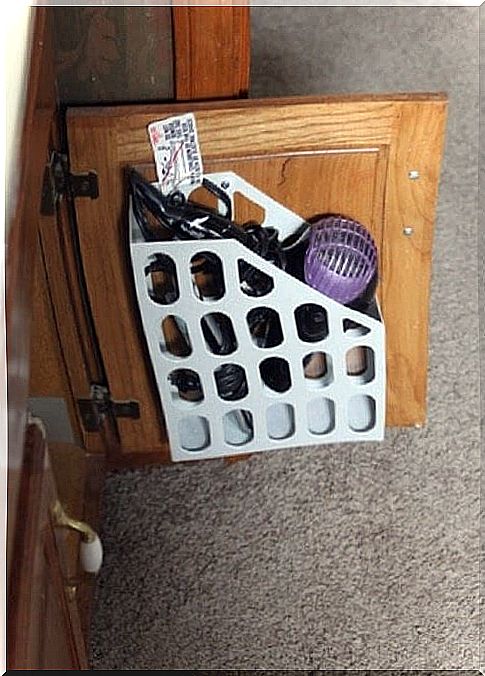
(21, 243)
(21, 587)
(211, 52)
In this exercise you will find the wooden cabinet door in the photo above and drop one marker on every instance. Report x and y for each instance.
(44, 629)
(373, 158)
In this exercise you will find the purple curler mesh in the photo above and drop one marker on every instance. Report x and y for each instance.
(341, 259)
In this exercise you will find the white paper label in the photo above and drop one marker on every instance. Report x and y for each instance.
(177, 153)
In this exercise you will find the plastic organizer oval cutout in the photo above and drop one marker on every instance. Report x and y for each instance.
(194, 433)
(317, 369)
(218, 333)
(253, 282)
(265, 327)
(175, 339)
(161, 279)
(238, 427)
(360, 364)
(185, 386)
(311, 322)
(321, 415)
(207, 276)
(280, 421)
(361, 413)
(231, 382)
(275, 374)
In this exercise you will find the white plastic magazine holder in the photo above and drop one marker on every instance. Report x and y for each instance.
(335, 408)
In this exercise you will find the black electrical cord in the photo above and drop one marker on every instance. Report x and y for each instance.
(221, 194)
(222, 340)
(177, 217)
(231, 382)
(174, 216)
(180, 218)
(275, 374)
(188, 384)
(312, 323)
(264, 327)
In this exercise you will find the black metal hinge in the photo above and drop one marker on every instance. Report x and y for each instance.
(58, 180)
(94, 410)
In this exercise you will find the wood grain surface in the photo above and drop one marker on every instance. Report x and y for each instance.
(20, 252)
(49, 373)
(126, 54)
(406, 261)
(44, 625)
(346, 154)
(211, 51)
(113, 54)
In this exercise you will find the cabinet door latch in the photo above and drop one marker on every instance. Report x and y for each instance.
(94, 410)
(58, 180)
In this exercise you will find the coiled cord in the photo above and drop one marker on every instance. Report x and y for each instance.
(231, 382)
(159, 216)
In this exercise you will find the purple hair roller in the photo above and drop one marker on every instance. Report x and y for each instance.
(341, 259)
